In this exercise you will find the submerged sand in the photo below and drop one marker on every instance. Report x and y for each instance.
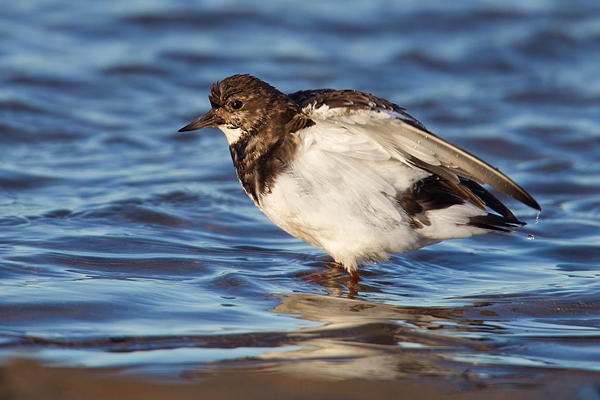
(30, 380)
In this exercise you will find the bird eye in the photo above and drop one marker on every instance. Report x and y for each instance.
(236, 104)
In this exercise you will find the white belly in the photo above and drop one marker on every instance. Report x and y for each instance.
(349, 212)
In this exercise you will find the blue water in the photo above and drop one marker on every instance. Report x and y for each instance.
(126, 244)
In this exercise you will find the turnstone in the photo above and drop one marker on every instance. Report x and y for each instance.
(352, 173)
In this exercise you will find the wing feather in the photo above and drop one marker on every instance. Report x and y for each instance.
(462, 163)
(375, 129)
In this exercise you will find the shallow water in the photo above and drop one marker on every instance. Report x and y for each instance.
(126, 244)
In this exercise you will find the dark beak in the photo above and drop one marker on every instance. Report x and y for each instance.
(208, 120)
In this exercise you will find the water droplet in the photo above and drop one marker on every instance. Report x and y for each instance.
(537, 218)
(530, 237)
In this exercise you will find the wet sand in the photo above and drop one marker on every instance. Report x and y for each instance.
(29, 380)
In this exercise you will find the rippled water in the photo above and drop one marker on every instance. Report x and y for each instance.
(125, 243)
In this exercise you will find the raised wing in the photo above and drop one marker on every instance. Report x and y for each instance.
(403, 137)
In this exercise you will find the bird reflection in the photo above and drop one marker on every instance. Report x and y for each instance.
(361, 339)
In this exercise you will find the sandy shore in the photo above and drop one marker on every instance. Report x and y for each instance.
(29, 380)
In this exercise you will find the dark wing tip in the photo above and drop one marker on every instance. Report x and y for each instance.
(436, 193)
(530, 201)
(493, 222)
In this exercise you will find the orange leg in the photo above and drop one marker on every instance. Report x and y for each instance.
(354, 277)
(339, 266)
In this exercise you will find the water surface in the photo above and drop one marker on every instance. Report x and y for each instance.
(126, 244)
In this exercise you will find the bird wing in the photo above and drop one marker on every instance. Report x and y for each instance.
(376, 128)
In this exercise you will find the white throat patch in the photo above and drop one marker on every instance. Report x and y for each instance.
(231, 134)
